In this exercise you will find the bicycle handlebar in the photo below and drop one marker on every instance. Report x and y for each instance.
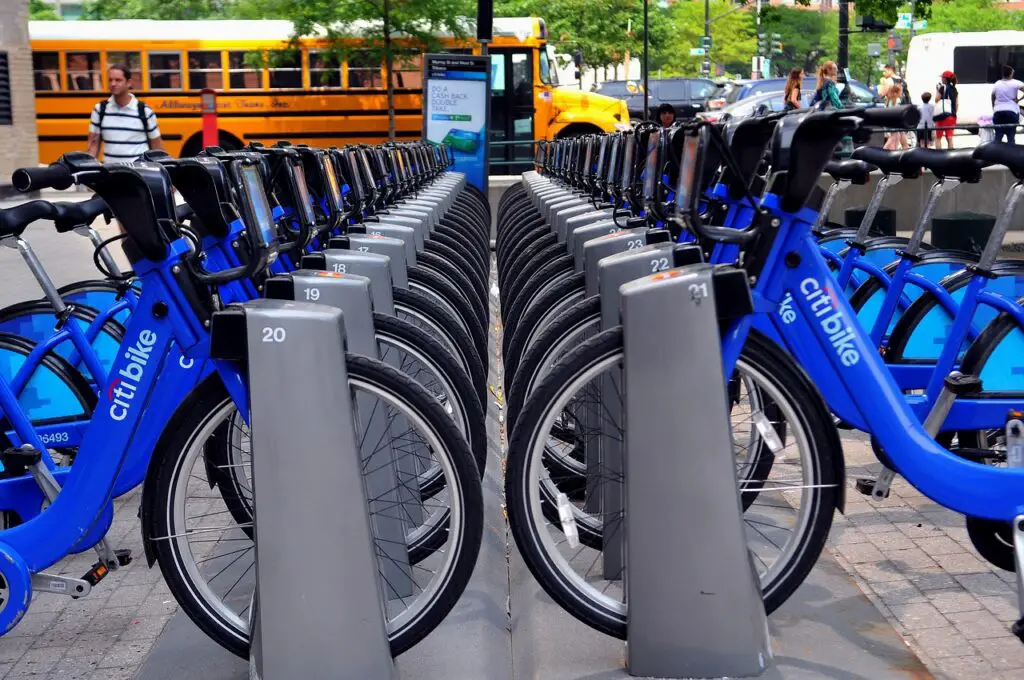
(894, 117)
(14, 221)
(33, 179)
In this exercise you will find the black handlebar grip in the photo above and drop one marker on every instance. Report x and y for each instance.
(34, 179)
(894, 117)
(14, 221)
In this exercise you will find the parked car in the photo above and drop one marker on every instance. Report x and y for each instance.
(750, 106)
(738, 90)
(687, 95)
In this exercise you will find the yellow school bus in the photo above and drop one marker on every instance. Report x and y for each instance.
(308, 95)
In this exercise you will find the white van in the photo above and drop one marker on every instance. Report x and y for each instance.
(977, 59)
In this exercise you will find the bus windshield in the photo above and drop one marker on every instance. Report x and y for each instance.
(548, 74)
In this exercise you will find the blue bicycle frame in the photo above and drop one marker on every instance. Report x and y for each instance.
(835, 348)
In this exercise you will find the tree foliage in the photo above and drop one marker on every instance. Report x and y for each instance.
(155, 9)
(39, 11)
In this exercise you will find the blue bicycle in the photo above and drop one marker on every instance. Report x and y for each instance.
(70, 509)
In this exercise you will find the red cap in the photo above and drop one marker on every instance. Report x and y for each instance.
(947, 74)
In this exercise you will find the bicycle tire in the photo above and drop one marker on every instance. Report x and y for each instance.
(416, 304)
(433, 284)
(775, 365)
(208, 398)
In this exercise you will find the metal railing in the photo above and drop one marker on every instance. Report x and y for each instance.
(498, 160)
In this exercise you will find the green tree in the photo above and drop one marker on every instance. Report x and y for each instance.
(155, 9)
(732, 32)
(598, 28)
(38, 11)
(806, 36)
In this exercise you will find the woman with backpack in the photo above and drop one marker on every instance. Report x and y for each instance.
(946, 100)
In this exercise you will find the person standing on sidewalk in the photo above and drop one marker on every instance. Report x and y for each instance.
(947, 99)
(122, 126)
(1006, 105)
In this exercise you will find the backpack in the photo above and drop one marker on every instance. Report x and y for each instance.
(142, 117)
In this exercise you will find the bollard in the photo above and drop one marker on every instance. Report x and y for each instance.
(695, 607)
(299, 627)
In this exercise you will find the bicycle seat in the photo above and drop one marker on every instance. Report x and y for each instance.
(1009, 155)
(82, 214)
(955, 164)
(888, 162)
(857, 172)
(14, 221)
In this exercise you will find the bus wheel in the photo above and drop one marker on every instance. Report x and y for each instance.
(225, 140)
(577, 129)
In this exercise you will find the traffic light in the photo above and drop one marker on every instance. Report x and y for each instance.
(577, 60)
(777, 46)
(870, 24)
(762, 44)
(895, 43)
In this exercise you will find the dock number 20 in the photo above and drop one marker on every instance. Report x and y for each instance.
(274, 334)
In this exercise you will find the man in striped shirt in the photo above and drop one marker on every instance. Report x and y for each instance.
(123, 126)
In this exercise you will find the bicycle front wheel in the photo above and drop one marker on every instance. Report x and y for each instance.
(786, 521)
(207, 556)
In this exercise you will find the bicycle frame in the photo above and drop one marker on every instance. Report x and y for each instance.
(87, 487)
(796, 272)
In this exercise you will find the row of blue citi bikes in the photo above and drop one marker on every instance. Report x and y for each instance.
(122, 381)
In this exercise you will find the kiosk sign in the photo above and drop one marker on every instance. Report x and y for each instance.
(456, 104)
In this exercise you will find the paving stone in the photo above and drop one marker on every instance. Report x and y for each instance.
(938, 545)
(1004, 653)
(974, 667)
(987, 583)
(898, 592)
(857, 553)
(939, 643)
(874, 572)
(146, 628)
(962, 563)
(1003, 607)
(891, 540)
(911, 559)
(918, 616)
(935, 580)
(978, 625)
(126, 654)
(37, 661)
(953, 601)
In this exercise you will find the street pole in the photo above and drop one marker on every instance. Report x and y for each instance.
(760, 64)
(843, 57)
(647, 45)
(706, 65)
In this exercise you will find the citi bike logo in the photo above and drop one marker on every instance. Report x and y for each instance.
(121, 392)
(831, 320)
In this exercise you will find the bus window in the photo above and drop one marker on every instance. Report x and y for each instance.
(46, 70)
(285, 69)
(409, 70)
(205, 70)
(241, 75)
(497, 75)
(165, 70)
(522, 78)
(364, 70)
(84, 71)
(546, 72)
(324, 69)
(131, 60)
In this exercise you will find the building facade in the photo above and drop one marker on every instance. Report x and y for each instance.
(17, 97)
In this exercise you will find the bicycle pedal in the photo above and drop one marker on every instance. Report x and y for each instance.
(99, 570)
(17, 461)
(1018, 629)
